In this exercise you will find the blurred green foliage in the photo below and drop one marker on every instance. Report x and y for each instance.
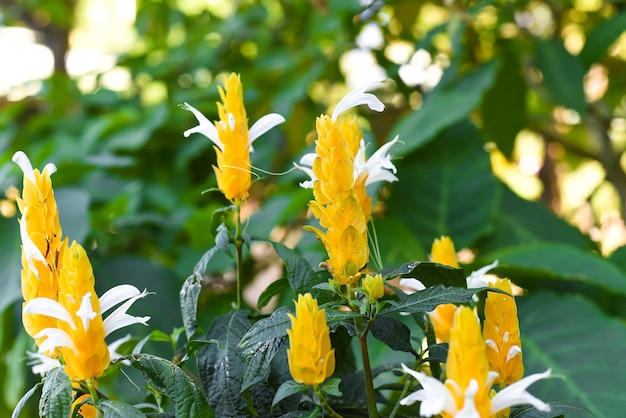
(129, 186)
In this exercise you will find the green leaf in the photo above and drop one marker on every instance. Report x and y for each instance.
(444, 107)
(504, 105)
(426, 300)
(428, 273)
(580, 344)
(300, 274)
(393, 333)
(10, 251)
(288, 388)
(438, 352)
(520, 221)
(536, 264)
(274, 288)
(331, 386)
(221, 366)
(562, 74)
(24, 399)
(274, 326)
(601, 38)
(117, 409)
(556, 410)
(396, 242)
(190, 292)
(446, 188)
(170, 380)
(73, 206)
(56, 395)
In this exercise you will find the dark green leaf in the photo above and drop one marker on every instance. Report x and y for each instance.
(444, 107)
(275, 326)
(155, 335)
(601, 38)
(428, 273)
(73, 206)
(56, 395)
(288, 388)
(10, 250)
(393, 333)
(170, 380)
(580, 344)
(504, 105)
(438, 352)
(300, 274)
(221, 366)
(24, 399)
(331, 387)
(426, 300)
(562, 74)
(117, 409)
(558, 262)
(396, 242)
(275, 288)
(556, 410)
(446, 188)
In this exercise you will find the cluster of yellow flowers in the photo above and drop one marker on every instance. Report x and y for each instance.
(61, 309)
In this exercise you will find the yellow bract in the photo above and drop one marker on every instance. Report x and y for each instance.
(311, 358)
(467, 361)
(233, 162)
(443, 252)
(91, 355)
(501, 332)
(374, 287)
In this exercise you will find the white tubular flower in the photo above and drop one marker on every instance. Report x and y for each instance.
(434, 396)
(476, 278)
(41, 364)
(359, 97)
(208, 129)
(379, 166)
(119, 318)
(515, 394)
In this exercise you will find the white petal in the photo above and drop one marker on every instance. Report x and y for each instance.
(113, 354)
(380, 176)
(22, 160)
(308, 158)
(205, 126)
(469, 406)
(50, 169)
(115, 295)
(120, 319)
(381, 158)
(31, 251)
(307, 184)
(55, 338)
(515, 394)
(263, 125)
(86, 312)
(41, 364)
(475, 280)
(358, 97)
(412, 283)
(513, 351)
(434, 395)
(51, 308)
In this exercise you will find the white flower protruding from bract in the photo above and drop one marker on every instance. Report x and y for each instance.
(434, 396)
(379, 166)
(476, 279)
(516, 394)
(359, 97)
(21, 159)
(411, 284)
(41, 364)
(208, 129)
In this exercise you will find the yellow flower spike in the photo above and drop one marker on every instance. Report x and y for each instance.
(311, 358)
(374, 287)
(443, 252)
(502, 335)
(232, 138)
(467, 369)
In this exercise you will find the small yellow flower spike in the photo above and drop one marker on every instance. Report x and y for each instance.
(374, 287)
(467, 369)
(40, 231)
(311, 358)
(88, 355)
(443, 252)
(502, 335)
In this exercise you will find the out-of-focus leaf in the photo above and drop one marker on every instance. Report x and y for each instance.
(171, 381)
(557, 410)
(541, 262)
(301, 276)
(446, 188)
(221, 365)
(562, 74)
(56, 395)
(396, 242)
(139, 132)
(580, 344)
(601, 38)
(274, 288)
(444, 107)
(393, 333)
(10, 250)
(504, 105)
(519, 221)
(117, 409)
(24, 399)
(73, 205)
(426, 300)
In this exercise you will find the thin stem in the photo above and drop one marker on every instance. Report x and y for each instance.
(407, 384)
(238, 251)
(367, 370)
(91, 385)
(325, 405)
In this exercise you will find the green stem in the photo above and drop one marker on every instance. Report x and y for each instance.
(325, 405)
(407, 383)
(367, 370)
(91, 385)
(238, 251)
